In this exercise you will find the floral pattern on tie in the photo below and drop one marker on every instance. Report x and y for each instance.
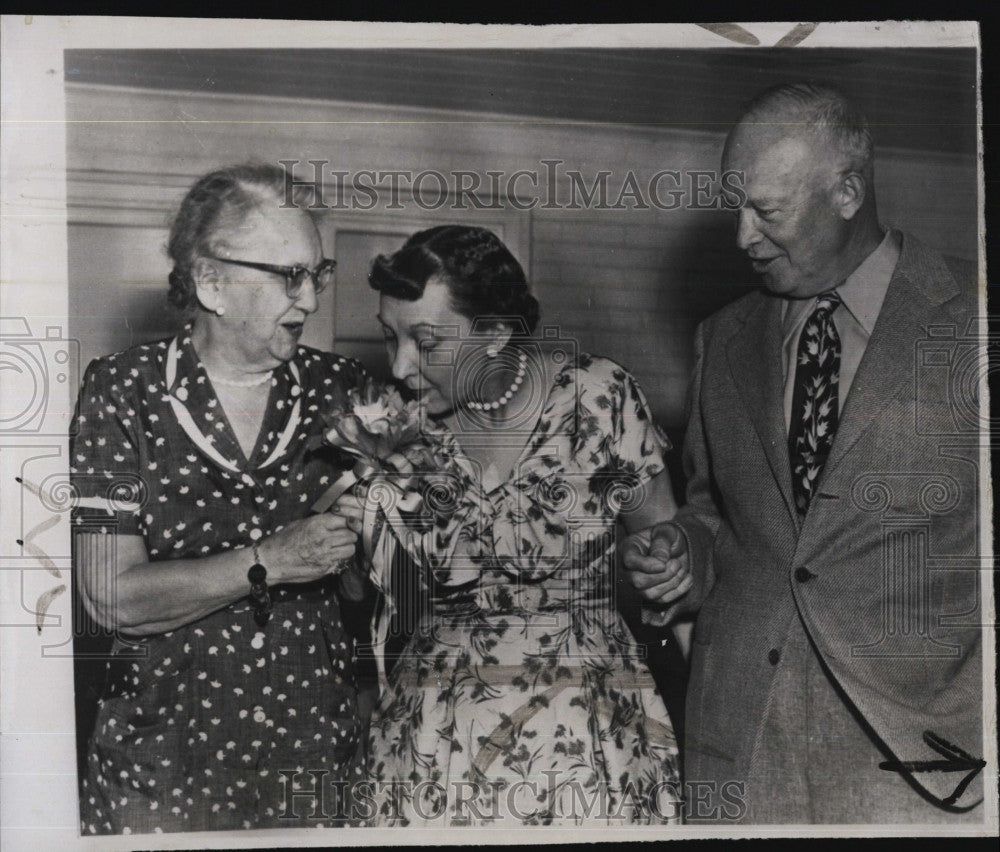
(815, 403)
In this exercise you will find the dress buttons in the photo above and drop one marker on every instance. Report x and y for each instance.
(803, 574)
(259, 715)
(773, 656)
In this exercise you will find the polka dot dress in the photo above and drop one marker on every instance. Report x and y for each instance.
(216, 724)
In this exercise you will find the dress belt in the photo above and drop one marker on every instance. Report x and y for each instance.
(576, 675)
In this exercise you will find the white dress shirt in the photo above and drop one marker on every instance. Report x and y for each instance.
(862, 294)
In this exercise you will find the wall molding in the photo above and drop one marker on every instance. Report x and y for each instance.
(140, 200)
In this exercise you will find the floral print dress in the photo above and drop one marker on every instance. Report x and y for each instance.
(211, 725)
(522, 697)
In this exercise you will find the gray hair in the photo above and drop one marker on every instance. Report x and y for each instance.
(813, 106)
(221, 199)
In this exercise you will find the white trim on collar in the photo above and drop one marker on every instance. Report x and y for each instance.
(187, 423)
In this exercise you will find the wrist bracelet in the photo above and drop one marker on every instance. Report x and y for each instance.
(260, 597)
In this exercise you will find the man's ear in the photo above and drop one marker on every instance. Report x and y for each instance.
(207, 281)
(851, 193)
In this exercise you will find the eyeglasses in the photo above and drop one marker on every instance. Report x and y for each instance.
(295, 276)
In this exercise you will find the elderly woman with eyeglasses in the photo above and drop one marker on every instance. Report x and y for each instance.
(231, 683)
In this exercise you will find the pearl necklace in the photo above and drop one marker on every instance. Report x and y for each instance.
(236, 383)
(522, 361)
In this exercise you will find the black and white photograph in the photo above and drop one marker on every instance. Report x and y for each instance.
(576, 430)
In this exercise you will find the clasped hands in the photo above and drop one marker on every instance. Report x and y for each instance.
(657, 563)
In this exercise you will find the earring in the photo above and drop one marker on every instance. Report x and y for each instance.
(491, 352)
(219, 310)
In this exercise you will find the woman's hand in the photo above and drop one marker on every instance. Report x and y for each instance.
(657, 563)
(308, 549)
(351, 507)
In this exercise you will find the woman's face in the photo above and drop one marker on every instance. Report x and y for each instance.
(261, 324)
(428, 342)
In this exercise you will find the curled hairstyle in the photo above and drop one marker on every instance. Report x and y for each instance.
(218, 201)
(820, 107)
(484, 279)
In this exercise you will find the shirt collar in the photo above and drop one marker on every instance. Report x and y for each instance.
(862, 292)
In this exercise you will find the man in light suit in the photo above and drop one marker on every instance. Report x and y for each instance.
(830, 538)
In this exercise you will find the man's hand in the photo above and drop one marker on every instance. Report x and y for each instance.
(657, 563)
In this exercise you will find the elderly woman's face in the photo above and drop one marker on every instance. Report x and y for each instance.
(264, 323)
(428, 342)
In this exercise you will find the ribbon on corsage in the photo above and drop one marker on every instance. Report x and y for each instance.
(383, 433)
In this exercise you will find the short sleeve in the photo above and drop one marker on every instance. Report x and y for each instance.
(350, 371)
(104, 458)
(637, 444)
(331, 377)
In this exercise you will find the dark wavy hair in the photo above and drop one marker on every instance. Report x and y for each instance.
(484, 279)
(221, 199)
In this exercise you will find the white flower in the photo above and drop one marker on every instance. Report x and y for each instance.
(374, 416)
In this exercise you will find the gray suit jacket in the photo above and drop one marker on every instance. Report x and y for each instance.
(882, 571)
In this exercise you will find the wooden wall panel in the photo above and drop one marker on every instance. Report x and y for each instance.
(630, 284)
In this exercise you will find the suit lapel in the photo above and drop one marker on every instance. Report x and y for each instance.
(762, 387)
(885, 370)
(919, 284)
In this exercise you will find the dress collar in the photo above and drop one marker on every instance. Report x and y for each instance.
(562, 384)
(198, 412)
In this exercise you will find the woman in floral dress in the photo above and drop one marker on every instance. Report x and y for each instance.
(521, 697)
(190, 465)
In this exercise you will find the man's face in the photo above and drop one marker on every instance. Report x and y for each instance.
(789, 224)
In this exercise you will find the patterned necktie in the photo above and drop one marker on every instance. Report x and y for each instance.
(814, 400)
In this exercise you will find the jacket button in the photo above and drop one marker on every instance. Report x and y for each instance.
(773, 656)
(803, 574)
